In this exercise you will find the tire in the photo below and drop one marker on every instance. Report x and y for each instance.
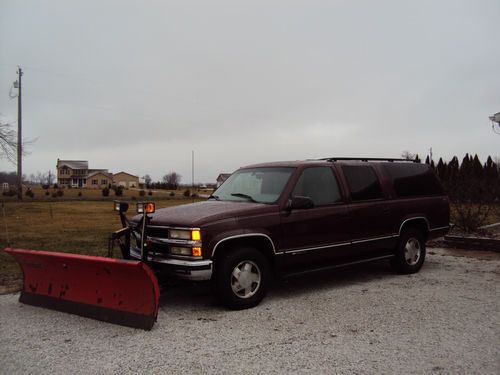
(241, 278)
(410, 253)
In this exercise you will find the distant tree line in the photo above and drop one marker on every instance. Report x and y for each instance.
(473, 189)
(469, 181)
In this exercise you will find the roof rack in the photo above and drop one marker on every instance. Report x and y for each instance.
(368, 159)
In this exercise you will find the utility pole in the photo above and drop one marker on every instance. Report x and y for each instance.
(19, 136)
(192, 174)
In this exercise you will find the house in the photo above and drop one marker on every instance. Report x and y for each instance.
(72, 172)
(221, 178)
(99, 180)
(76, 173)
(126, 180)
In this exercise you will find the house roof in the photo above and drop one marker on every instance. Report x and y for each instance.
(100, 172)
(73, 164)
(128, 174)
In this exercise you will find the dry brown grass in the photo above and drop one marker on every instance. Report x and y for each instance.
(67, 226)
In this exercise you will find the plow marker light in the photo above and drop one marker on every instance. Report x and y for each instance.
(118, 291)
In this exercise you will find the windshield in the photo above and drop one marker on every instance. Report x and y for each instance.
(261, 185)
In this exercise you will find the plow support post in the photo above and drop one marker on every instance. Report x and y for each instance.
(118, 291)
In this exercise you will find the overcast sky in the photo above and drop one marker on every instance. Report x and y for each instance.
(138, 85)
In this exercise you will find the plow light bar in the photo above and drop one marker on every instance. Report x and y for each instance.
(120, 206)
(145, 207)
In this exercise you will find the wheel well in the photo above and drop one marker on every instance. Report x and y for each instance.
(261, 244)
(418, 223)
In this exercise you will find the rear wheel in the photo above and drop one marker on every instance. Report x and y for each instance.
(410, 253)
(242, 278)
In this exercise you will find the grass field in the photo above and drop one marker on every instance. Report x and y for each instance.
(81, 227)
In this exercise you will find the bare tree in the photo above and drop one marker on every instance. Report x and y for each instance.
(8, 143)
(172, 180)
(50, 176)
(408, 155)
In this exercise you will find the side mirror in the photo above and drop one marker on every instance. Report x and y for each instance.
(300, 203)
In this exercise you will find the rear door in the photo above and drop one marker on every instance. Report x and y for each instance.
(372, 227)
(320, 233)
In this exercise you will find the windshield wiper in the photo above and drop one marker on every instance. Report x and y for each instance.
(241, 195)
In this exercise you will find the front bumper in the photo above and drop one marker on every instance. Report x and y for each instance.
(196, 270)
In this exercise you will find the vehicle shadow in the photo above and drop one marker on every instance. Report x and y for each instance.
(179, 295)
(335, 278)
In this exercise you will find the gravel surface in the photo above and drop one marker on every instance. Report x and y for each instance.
(364, 319)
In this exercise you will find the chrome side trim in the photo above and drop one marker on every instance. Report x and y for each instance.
(242, 236)
(297, 251)
(375, 239)
(414, 218)
(439, 228)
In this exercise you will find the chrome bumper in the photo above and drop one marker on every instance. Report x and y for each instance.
(196, 270)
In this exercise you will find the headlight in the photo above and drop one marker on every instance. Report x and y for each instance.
(183, 234)
(180, 251)
(120, 206)
(180, 234)
(187, 251)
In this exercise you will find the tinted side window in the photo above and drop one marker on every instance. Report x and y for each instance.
(319, 184)
(413, 180)
(363, 182)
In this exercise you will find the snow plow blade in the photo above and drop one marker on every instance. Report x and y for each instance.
(118, 291)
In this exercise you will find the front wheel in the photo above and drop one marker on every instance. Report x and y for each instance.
(410, 253)
(242, 278)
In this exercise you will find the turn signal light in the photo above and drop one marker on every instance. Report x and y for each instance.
(145, 207)
(196, 235)
(196, 251)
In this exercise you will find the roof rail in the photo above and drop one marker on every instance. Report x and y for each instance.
(332, 159)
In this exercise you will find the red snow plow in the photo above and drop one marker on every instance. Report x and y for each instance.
(119, 291)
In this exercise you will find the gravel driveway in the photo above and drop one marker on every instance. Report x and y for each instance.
(364, 320)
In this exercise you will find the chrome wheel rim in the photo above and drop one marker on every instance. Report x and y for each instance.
(413, 251)
(245, 279)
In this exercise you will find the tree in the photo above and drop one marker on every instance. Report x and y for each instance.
(8, 143)
(172, 180)
(408, 155)
(50, 176)
(441, 170)
(147, 180)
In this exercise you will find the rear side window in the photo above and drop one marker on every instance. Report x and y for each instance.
(363, 182)
(319, 184)
(413, 180)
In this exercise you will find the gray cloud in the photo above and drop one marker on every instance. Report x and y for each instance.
(137, 85)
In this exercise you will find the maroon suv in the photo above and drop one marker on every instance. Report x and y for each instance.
(288, 218)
